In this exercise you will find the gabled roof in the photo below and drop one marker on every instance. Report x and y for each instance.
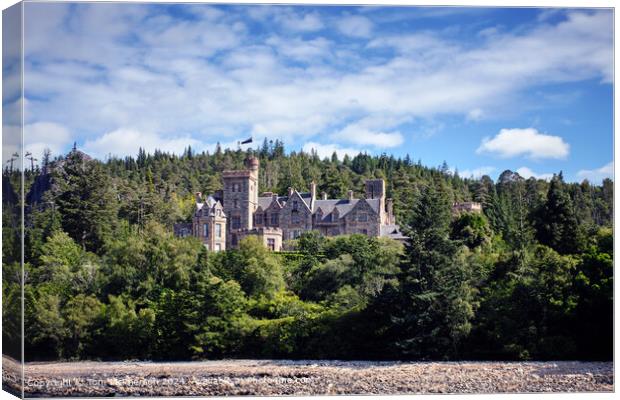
(392, 231)
(209, 206)
(344, 206)
(266, 201)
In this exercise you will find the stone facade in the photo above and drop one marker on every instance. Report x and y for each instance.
(271, 237)
(209, 223)
(468, 206)
(240, 198)
(274, 218)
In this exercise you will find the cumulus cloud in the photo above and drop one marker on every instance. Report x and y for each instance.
(598, 174)
(355, 25)
(141, 68)
(39, 136)
(526, 142)
(527, 173)
(476, 172)
(326, 150)
(127, 142)
(356, 134)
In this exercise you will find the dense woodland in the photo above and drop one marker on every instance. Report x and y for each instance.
(530, 278)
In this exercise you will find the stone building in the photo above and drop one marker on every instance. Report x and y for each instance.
(275, 219)
(468, 206)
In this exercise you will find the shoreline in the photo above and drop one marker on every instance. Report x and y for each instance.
(308, 377)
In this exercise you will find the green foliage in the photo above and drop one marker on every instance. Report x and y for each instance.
(472, 229)
(531, 278)
(556, 223)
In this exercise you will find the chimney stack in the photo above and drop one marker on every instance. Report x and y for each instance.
(198, 197)
(351, 195)
(313, 189)
(290, 191)
(324, 195)
(389, 205)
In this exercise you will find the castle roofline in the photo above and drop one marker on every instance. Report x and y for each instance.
(239, 173)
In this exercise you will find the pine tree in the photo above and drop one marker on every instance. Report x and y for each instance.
(556, 223)
(436, 295)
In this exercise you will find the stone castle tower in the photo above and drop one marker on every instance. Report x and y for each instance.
(240, 198)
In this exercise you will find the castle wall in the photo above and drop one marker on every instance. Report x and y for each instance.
(363, 220)
(295, 217)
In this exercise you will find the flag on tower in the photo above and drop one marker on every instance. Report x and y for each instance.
(246, 141)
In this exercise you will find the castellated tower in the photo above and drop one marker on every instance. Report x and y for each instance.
(375, 189)
(240, 198)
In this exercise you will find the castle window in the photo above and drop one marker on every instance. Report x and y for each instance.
(236, 222)
(294, 204)
(205, 230)
(295, 217)
(235, 187)
(362, 217)
(218, 230)
(234, 239)
(235, 203)
(259, 219)
(364, 231)
(218, 247)
(274, 219)
(271, 244)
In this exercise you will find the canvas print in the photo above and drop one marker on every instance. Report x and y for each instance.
(224, 199)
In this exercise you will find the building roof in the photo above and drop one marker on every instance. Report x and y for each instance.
(344, 206)
(211, 204)
(392, 231)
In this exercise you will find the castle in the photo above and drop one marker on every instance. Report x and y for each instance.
(222, 220)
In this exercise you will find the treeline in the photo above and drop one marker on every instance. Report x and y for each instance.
(530, 278)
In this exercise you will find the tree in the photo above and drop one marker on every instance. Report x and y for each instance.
(261, 269)
(556, 223)
(86, 200)
(81, 314)
(472, 229)
(436, 306)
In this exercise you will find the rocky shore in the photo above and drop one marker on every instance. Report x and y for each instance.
(281, 377)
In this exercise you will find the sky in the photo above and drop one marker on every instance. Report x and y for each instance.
(484, 89)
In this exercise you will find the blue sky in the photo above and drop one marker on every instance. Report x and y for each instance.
(484, 89)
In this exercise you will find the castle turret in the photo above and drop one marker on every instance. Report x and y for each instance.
(375, 189)
(240, 197)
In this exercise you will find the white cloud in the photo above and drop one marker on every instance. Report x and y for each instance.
(475, 115)
(355, 25)
(127, 142)
(597, 175)
(46, 135)
(306, 23)
(524, 142)
(211, 77)
(476, 172)
(527, 173)
(326, 150)
(354, 133)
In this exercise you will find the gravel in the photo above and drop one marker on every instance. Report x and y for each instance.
(304, 377)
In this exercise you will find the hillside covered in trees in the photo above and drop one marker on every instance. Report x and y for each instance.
(530, 278)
